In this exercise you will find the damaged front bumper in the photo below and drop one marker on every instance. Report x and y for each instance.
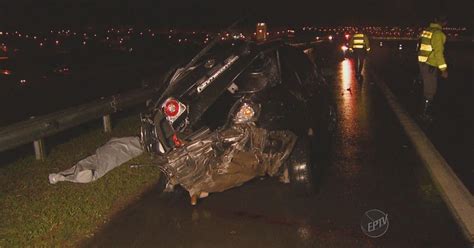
(227, 158)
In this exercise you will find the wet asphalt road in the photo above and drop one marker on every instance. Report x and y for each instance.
(452, 131)
(372, 166)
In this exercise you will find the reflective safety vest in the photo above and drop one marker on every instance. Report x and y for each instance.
(431, 50)
(359, 41)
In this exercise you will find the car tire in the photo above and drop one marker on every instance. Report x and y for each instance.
(300, 168)
(161, 185)
(177, 195)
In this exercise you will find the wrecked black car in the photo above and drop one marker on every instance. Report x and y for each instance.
(238, 111)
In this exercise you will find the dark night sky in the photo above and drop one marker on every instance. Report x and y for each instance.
(212, 13)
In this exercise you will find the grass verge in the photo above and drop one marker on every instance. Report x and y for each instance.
(36, 213)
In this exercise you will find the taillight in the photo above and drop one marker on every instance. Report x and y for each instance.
(172, 109)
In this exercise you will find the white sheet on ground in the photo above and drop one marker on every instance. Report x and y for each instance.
(114, 153)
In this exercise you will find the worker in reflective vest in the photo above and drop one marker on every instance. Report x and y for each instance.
(431, 60)
(359, 46)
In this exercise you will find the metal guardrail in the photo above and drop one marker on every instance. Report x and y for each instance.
(37, 128)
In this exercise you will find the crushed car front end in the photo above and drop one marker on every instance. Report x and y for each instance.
(233, 114)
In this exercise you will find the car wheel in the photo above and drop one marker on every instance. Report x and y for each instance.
(300, 167)
(161, 185)
(170, 195)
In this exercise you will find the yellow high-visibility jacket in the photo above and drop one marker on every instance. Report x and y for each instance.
(431, 49)
(359, 41)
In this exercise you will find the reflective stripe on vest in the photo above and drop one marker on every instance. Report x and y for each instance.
(358, 41)
(425, 46)
(426, 34)
(443, 66)
(422, 58)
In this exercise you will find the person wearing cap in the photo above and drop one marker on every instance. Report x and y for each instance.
(431, 62)
(359, 46)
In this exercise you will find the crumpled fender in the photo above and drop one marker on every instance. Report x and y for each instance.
(227, 158)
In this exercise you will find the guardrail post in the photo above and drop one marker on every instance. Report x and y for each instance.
(107, 123)
(39, 149)
(29, 131)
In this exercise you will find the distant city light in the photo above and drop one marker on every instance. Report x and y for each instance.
(61, 38)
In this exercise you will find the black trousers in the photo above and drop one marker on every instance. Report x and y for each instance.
(429, 75)
(359, 59)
